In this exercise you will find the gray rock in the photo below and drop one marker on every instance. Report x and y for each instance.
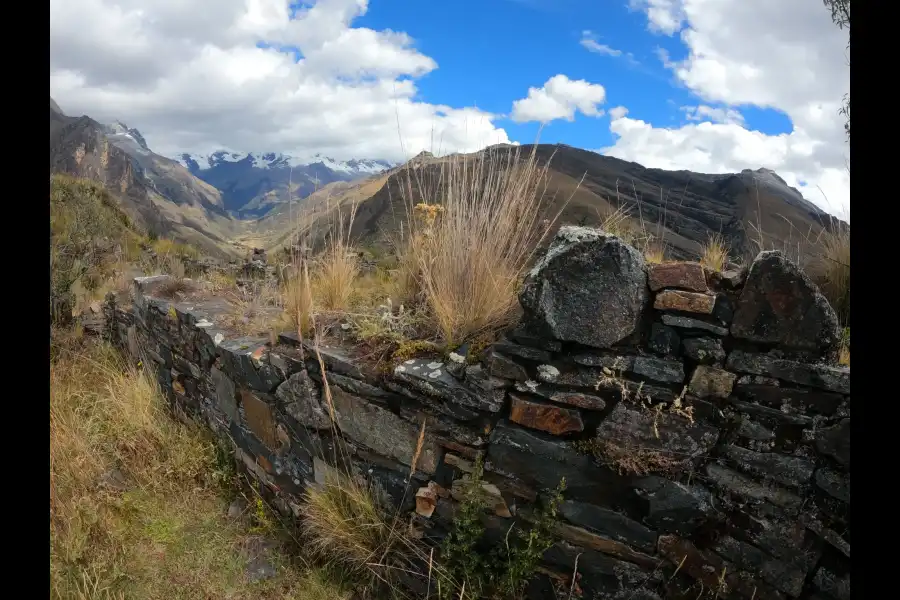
(589, 288)
(659, 369)
(226, 395)
(527, 352)
(792, 471)
(540, 461)
(781, 575)
(504, 367)
(301, 400)
(787, 399)
(431, 377)
(690, 325)
(834, 483)
(836, 586)
(704, 350)
(834, 441)
(609, 523)
(825, 377)
(747, 488)
(663, 339)
(673, 507)
(781, 305)
(665, 432)
(383, 431)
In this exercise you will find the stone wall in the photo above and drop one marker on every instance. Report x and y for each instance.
(698, 419)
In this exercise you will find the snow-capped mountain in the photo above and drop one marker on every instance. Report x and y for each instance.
(130, 139)
(253, 183)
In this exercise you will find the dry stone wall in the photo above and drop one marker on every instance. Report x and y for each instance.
(698, 419)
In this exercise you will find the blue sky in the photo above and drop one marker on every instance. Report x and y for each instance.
(491, 51)
(713, 86)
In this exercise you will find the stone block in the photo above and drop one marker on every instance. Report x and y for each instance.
(590, 288)
(544, 416)
(691, 302)
(710, 382)
(681, 275)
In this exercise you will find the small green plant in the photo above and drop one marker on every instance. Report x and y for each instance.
(462, 564)
(524, 555)
(504, 572)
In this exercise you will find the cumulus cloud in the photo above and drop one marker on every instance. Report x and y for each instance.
(617, 112)
(713, 114)
(663, 16)
(560, 98)
(786, 56)
(253, 75)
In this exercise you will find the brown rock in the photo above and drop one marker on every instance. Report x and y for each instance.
(544, 416)
(259, 418)
(684, 275)
(426, 500)
(586, 539)
(710, 382)
(685, 301)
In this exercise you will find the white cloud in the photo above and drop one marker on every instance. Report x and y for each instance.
(663, 16)
(559, 98)
(713, 114)
(617, 112)
(589, 41)
(786, 56)
(210, 74)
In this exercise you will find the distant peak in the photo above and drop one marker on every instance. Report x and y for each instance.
(55, 107)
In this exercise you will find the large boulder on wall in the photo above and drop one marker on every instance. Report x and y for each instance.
(590, 288)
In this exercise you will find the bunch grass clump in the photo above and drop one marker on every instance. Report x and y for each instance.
(470, 239)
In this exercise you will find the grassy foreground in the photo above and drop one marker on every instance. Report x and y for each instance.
(139, 501)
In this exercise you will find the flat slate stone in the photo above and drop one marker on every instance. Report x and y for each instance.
(431, 377)
(693, 325)
(674, 507)
(609, 523)
(825, 377)
(383, 431)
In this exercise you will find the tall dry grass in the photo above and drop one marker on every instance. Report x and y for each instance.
(136, 505)
(830, 267)
(338, 266)
(468, 257)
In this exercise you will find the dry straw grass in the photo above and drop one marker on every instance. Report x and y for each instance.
(714, 253)
(136, 510)
(831, 267)
(338, 266)
(469, 254)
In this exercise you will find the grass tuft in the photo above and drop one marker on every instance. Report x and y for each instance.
(714, 253)
(338, 267)
(471, 239)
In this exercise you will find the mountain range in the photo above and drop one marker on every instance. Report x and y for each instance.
(252, 184)
(227, 201)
